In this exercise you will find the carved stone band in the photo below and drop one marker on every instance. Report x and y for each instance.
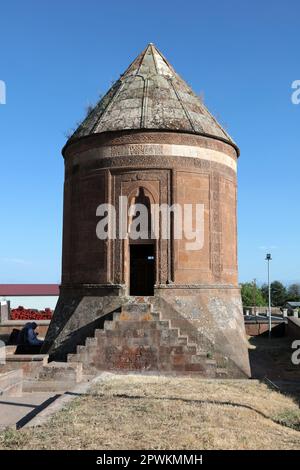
(172, 150)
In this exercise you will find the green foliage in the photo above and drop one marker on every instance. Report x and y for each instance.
(289, 418)
(293, 293)
(252, 295)
(278, 293)
(89, 109)
(259, 296)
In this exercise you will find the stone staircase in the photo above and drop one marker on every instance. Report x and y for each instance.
(138, 340)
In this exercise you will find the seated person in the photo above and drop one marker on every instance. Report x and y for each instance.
(13, 338)
(28, 343)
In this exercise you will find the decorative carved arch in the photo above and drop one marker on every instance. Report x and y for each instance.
(150, 193)
(140, 195)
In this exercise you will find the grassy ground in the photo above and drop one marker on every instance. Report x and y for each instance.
(151, 412)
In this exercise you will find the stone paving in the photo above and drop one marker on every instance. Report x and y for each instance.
(17, 411)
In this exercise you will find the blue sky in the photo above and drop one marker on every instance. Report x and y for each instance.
(58, 56)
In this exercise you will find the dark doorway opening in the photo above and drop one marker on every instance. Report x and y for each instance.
(142, 269)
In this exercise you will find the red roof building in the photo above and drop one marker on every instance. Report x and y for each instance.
(29, 289)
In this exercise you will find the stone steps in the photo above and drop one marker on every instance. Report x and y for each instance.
(59, 386)
(221, 373)
(55, 377)
(37, 374)
(11, 383)
(137, 339)
(30, 364)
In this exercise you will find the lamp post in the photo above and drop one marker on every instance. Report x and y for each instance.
(268, 259)
(254, 295)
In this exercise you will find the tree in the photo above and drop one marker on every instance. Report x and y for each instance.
(278, 293)
(293, 292)
(251, 295)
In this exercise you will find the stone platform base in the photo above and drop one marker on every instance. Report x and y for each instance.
(137, 339)
(210, 318)
(11, 383)
(54, 377)
(33, 373)
(29, 364)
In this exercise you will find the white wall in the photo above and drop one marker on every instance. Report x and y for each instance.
(39, 302)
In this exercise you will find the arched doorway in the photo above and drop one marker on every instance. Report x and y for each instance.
(142, 269)
(142, 252)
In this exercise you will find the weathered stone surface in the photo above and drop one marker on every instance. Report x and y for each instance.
(151, 95)
(30, 364)
(212, 318)
(61, 371)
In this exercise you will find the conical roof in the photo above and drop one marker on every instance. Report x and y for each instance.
(151, 95)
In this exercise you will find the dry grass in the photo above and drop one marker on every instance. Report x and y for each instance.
(151, 412)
